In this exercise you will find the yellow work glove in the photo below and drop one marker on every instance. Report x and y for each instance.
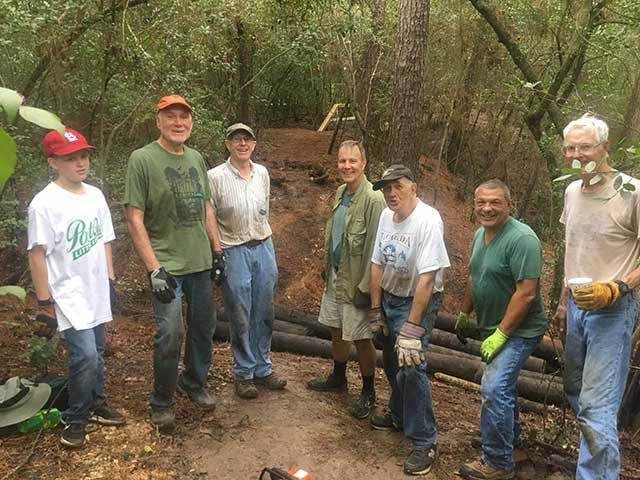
(596, 296)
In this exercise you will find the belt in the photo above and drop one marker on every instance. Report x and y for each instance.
(253, 243)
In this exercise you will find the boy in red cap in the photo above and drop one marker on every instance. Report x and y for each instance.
(69, 237)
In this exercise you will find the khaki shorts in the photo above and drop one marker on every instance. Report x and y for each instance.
(353, 321)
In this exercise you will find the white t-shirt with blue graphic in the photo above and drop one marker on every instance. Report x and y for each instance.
(73, 228)
(410, 248)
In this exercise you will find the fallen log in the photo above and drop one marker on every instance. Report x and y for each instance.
(524, 404)
(464, 368)
(546, 350)
(438, 337)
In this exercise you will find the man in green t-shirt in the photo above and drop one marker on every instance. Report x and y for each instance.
(174, 232)
(503, 289)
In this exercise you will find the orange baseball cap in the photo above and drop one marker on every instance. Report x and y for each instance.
(169, 100)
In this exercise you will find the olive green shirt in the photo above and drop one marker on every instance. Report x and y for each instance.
(360, 227)
(172, 191)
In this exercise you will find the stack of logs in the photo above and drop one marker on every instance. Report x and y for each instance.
(296, 331)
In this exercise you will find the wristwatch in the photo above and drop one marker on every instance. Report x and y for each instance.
(623, 287)
(49, 301)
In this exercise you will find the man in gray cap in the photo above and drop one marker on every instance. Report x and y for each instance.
(408, 259)
(240, 192)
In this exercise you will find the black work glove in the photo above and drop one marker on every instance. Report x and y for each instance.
(163, 285)
(218, 268)
(46, 317)
(361, 300)
(113, 297)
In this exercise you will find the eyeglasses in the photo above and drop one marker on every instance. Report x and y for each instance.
(241, 139)
(582, 148)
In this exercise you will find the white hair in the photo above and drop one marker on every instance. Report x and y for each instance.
(591, 123)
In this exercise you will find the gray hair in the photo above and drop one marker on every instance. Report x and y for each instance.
(496, 184)
(354, 144)
(591, 123)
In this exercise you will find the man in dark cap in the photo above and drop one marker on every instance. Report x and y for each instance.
(406, 287)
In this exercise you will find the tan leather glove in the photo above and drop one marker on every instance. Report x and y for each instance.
(596, 296)
(377, 321)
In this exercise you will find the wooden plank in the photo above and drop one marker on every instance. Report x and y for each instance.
(329, 116)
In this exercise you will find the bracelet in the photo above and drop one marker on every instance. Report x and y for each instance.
(46, 303)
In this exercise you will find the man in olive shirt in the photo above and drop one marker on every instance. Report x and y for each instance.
(503, 289)
(174, 231)
(349, 236)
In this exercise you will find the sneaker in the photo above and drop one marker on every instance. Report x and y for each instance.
(419, 462)
(482, 470)
(270, 382)
(202, 398)
(164, 419)
(384, 422)
(73, 435)
(362, 407)
(329, 384)
(105, 415)
(245, 388)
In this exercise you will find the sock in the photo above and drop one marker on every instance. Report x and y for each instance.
(367, 384)
(339, 369)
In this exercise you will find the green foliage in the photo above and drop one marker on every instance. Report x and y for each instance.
(14, 290)
(41, 351)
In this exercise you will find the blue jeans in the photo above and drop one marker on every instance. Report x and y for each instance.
(247, 294)
(86, 372)
(410, 403)
(596, 364)
(499, 416)
(201, 323)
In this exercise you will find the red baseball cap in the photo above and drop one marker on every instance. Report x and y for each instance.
(71, 141)
(169, 100)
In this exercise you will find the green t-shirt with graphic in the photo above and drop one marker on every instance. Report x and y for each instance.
(172, 191)
(514, 254)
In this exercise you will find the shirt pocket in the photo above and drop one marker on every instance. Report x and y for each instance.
(261, 210)
(356, 237)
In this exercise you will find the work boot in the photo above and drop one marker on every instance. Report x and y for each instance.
(201, 398)
(105, 415)
(245, 388)
(164, 419)
(483, 470)
(362, 407)
(73, 435)
(331, 384)
(383, 422)
(419, 462)
(270, 382)
(519, 453)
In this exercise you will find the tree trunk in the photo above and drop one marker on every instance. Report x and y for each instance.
(245, 67)
(405, 136)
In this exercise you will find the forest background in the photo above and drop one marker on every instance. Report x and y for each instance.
(476, 88)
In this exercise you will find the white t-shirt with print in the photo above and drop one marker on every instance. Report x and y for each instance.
(410, 248)
(73, 228)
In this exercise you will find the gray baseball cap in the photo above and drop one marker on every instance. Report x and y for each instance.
(394, 172)
(239, 127)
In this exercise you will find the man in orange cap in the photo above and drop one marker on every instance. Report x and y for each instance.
(174, 232)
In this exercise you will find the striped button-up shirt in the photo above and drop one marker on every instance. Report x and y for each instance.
(242, 206)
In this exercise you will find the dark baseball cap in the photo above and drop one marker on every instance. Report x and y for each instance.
(394, 172)
(239, 127)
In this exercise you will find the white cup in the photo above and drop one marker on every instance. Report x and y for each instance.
(578, 282)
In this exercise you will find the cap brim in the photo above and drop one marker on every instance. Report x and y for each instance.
(72, 148)
(36, 399)
(391, 177)
(239, 130)
(181, 104)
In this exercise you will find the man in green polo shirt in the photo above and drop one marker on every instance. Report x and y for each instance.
(504, 291)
